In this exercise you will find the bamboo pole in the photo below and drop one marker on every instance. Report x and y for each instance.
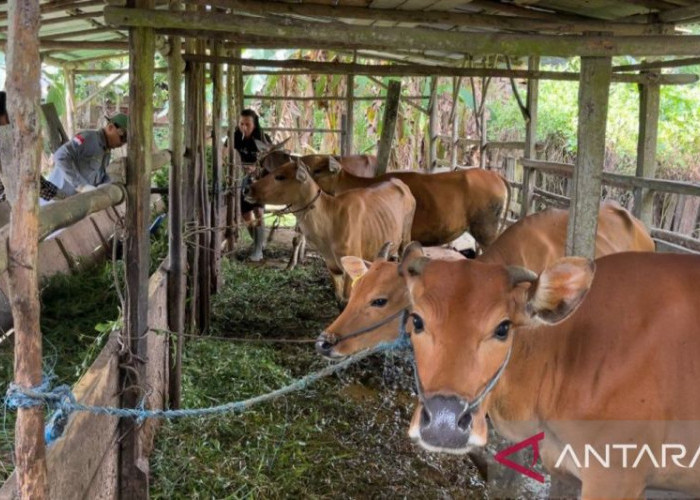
(24, 95)
(593, 110)
(176, 276)
(202, 201)
(350, 113)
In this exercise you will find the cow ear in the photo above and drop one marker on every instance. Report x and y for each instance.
(263, 147)
(333, 165)
(412, 260)
(560, 289)
(302, 171)
(355, 267)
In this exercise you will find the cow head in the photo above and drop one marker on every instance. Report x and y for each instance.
(325, 169)
(377, 298)
(272, 156)
(290, 184)
(464, 315)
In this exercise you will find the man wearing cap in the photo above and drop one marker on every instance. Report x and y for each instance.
(81, 163)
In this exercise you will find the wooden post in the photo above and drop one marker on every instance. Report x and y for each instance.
(646, 149)
(593, 110)
(230, 234)
(217, 201)
(391, 111)
(237, 168)
(202, 199)
(176, 275)
(69, 76)
(533, 64)
(24, 96)
(350, 115)
(190, 169)
(133, 465)
(509, 168)
(432, 124)
(454, 119)
(343, 134)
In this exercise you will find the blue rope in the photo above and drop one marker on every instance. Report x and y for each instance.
(62, 399)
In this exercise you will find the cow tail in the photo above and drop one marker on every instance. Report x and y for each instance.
(509, 193)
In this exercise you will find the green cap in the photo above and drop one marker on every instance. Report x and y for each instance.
(120, 120)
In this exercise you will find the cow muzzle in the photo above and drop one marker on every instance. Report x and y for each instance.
(325, 346)
(248, 195)
(445, 424)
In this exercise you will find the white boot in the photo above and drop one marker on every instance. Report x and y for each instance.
(258, 242)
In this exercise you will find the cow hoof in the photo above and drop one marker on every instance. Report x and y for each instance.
(255, 257)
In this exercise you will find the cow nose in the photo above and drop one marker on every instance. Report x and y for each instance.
(324, 346)
(445, 422)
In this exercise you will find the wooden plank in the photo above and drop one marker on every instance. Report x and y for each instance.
(69, 77)
(176, 251)
(649, 98)
(23, 98)
(350, 114)
(391, 111)
(404, 38)
(593, 110)
(425, 70)
(674, 63)
(675, 238)
(666, 247)
(133, 465)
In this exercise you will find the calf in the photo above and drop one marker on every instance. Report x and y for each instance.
(354, 223)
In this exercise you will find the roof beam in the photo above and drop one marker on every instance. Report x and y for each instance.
(416, 38)
(674, 63)
(423, 70)
(437, 17)
(681, 15)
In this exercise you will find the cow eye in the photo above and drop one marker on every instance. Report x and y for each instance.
(418, 326)
(501, 332)
(279, 177)
(378, 302)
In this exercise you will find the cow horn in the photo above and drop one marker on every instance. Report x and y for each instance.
(519, 274)
(384, 251)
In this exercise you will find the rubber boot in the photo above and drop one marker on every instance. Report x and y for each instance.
(259, 239)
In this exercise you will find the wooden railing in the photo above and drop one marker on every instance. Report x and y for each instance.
(666, 240)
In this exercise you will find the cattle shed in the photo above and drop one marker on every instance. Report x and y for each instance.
(433, 38)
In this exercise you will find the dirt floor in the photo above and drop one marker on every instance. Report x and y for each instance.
(345, 436)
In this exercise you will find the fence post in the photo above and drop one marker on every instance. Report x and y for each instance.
(593, 110)
(646, 149)
(533, 64)
(391, 111)
(432, 124)
(133, 466)
(350, 114)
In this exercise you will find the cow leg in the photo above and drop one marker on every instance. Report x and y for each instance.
(298, 246)
(339, 284)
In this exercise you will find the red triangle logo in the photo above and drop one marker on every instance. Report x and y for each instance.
(533, 441)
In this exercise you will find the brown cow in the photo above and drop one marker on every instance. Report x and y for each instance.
(533, 242)
(354, 223)
(357, 165)
(607, 363)
(447, 204)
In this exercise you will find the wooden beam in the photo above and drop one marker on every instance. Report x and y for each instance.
(391, 111)
(23, 99)
(593, 111)
(649, 98)
(674, 63)
(176, 250)
(69, 78)
(439, 17)
(73, 33)
(681, 15)
(350, 114)
(426, 70)
(412, 38)
(133, 464)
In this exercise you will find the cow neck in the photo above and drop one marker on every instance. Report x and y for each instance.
(305, 208)
(346, 181)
